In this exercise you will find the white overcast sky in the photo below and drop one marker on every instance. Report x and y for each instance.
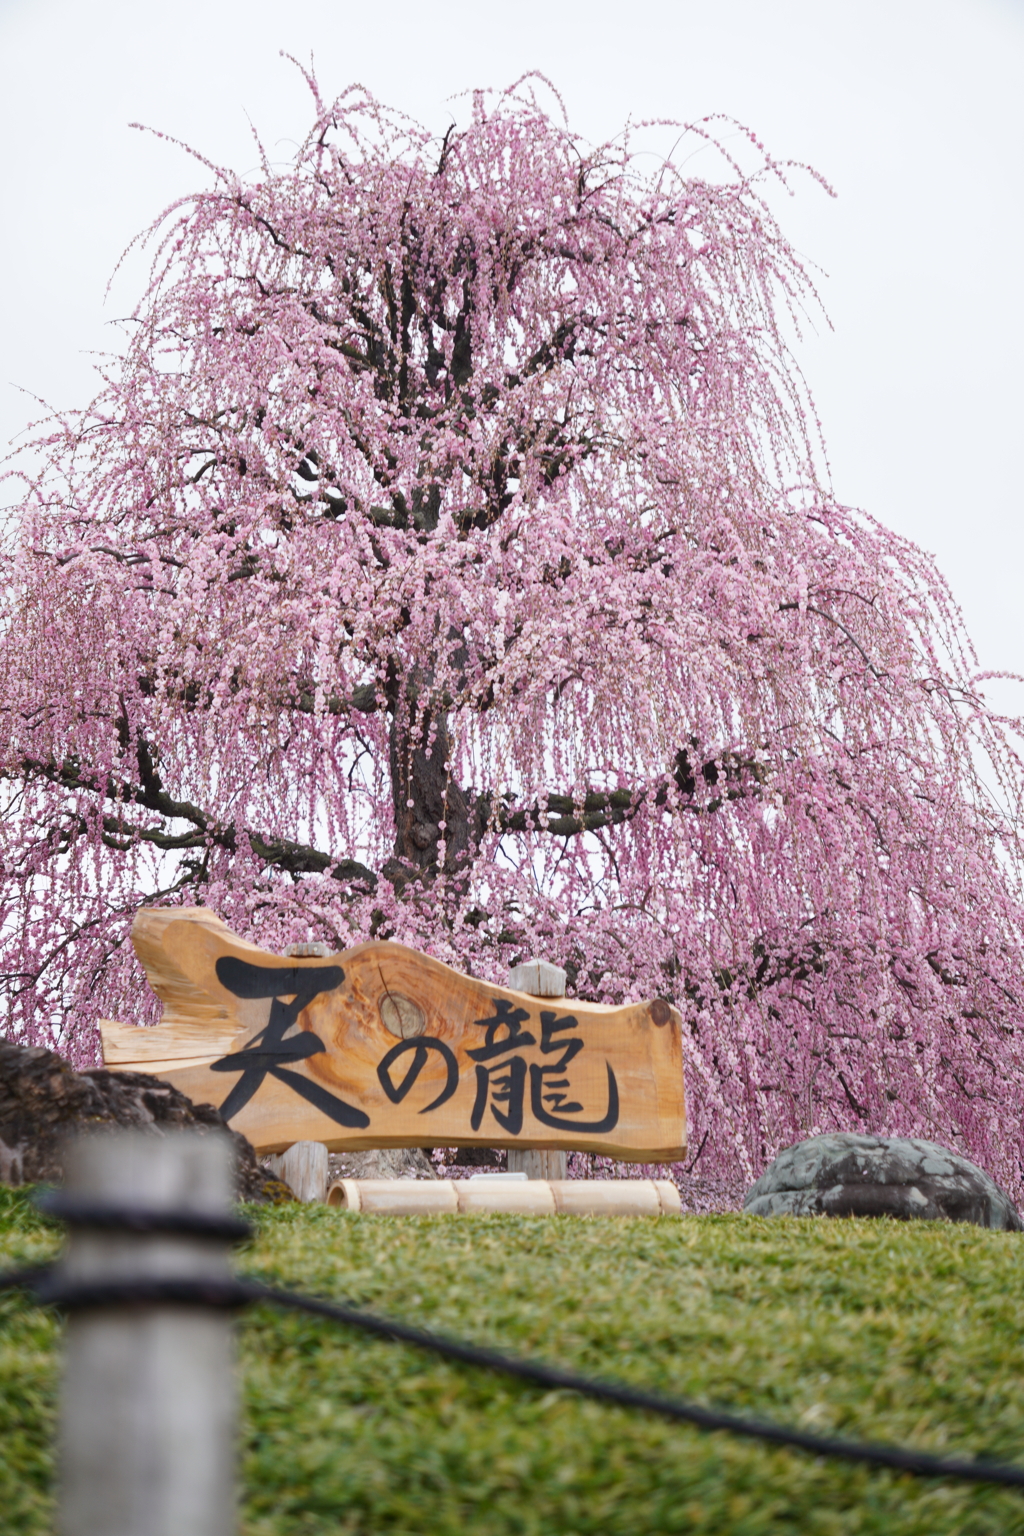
(912, 109)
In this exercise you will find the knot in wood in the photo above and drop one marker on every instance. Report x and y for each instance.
(401, 1016)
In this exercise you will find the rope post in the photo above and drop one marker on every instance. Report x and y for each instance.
(148, 1410)
(540, 979)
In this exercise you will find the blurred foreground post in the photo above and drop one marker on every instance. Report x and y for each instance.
(147, 1436)
(540, 979)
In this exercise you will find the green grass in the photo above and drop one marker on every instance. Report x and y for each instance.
(875, 1330)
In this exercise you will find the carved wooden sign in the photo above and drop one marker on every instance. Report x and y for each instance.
(380, 1046)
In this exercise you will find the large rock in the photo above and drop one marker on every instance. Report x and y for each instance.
(851, 1175)
(43, 1101)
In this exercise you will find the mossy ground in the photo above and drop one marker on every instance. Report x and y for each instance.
(876, 1330)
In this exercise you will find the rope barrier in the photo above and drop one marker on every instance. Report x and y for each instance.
(50, 1288)
(102, 1216)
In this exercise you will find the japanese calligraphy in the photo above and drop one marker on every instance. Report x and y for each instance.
(267, 1052)
(501, 1069)
(381, 1046)
(503, 1081)
(421, 1046)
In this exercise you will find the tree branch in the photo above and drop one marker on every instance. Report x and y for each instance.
(569, 815)
(280, 852)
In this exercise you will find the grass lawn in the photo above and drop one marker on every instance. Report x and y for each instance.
(875, 1330)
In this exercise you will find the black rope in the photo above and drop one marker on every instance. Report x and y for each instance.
(189, 1291)
(919, 1463)
(104, 1216)
(49, 1288)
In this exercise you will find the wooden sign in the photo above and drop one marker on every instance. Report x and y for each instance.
(380, 1046)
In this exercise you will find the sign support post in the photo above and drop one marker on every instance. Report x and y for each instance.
(538, 978)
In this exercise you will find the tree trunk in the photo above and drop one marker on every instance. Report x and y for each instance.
(429, 804)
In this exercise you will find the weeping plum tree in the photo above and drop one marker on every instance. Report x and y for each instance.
(447, 559)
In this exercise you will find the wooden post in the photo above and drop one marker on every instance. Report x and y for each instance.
(147, 1430)
(304, 1168)
(540, 979)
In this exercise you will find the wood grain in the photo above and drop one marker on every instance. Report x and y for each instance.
(388, 1041)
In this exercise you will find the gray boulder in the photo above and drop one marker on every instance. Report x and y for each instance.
(851, 1175)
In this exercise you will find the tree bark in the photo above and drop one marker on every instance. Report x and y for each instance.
(429, 804)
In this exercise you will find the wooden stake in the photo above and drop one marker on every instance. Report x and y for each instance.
(147, 1431)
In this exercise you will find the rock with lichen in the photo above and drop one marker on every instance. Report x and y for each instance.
(847, 1174)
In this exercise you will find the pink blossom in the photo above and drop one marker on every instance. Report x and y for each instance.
(449, 559)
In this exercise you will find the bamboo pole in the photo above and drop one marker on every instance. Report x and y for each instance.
(532, 1197)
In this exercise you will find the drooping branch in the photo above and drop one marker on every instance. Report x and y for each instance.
(194, 695)
(283, 853)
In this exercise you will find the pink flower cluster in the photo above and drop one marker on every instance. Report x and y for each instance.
(448, 559)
